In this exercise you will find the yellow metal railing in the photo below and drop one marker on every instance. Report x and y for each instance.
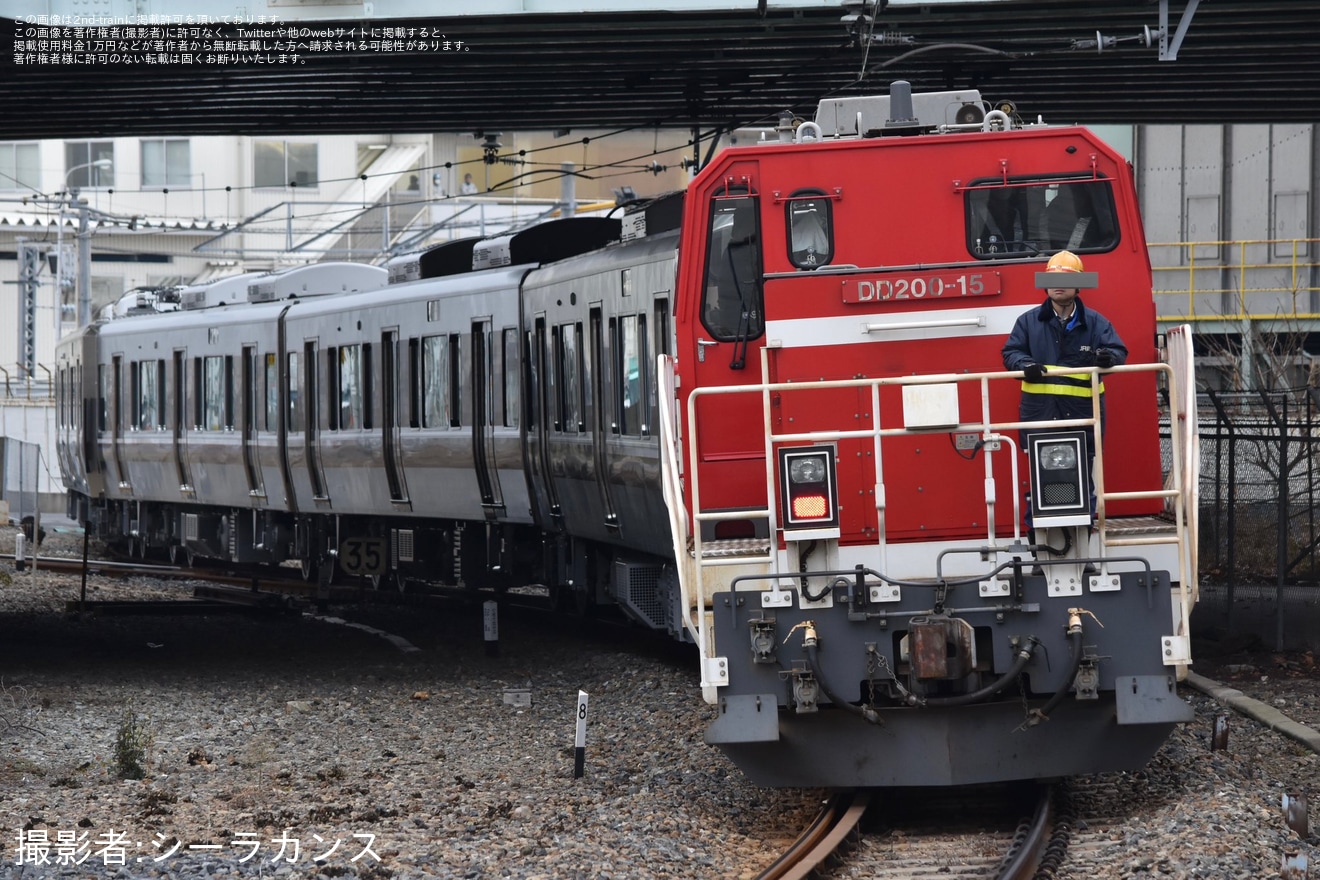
(1254, 279)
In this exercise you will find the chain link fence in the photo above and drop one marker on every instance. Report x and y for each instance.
(1260, 522)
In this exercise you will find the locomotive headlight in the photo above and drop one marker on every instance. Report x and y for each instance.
(807, 492)
(1060, 479)
(1058, 456)
(807, 469)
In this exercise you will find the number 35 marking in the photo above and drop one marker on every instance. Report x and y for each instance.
(363, 556)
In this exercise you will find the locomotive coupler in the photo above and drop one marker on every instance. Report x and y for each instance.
(941, 648)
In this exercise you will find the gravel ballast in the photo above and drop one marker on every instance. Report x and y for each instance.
(266, 741)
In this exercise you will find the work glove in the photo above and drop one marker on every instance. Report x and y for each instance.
(1033, 372)
(1104, 358)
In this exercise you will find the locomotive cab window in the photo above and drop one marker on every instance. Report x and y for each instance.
(810, 224)
(1028, 216)
(731, 305)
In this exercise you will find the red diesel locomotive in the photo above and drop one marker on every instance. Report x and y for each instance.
(768, 415)
(845, 475)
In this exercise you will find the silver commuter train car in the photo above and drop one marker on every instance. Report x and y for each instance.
(489, 423)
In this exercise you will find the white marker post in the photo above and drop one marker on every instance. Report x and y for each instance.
(490, 615)
(580, 742)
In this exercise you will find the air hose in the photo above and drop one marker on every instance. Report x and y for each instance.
(1036, 716)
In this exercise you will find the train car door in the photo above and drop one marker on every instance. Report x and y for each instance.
(389, 416)
(541, 392)
(602, 424)
(286, 388)
(117, 425)
(312, 418)
(483, 428)
(180, 421)
(248, 376)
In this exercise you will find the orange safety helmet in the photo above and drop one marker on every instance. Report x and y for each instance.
(1064, 261)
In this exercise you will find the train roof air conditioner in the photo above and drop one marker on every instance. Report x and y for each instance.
(318, 279)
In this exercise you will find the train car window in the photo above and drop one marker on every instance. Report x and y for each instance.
(595, 373)
(312, 405)
(134, 394)
(334, 404)
(197, 395)
(100, 397)
(570, 371)
(272, 380)
(731, 305)
(350, 387)
(629, 372)
(213, 393)
(615, 369)
(389, 381)
(160, 393)
(548, 358)
(149, 395)
(248, 377)
(646, 384)
(368, 383)
(435, 382)
(414, 383)
(229, 392)
(554, 369)
(810, 221)
(532, 413)
(1028, 216)
(180, 406)
(511, 402)
(484, 379)
(117, 396)
(455, 380)
(295, 398)
(662, 326)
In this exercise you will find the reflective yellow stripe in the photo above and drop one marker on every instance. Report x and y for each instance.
(1064, 390)
(1055, 370)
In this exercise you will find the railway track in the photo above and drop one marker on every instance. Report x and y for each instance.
(837, 819)
(923, 836)
(263, 588)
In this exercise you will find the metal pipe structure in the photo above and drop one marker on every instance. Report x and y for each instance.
(84, 252)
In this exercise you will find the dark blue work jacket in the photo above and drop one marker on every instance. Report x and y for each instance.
(1039, 337)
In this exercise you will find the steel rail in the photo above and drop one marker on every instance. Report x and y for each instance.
(837, 818)
(1029, 845)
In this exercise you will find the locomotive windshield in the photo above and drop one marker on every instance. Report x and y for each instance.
(1031, 216)
(731, 305)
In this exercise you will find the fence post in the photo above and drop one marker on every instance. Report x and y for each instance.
(1230, 528)
(1280, 420)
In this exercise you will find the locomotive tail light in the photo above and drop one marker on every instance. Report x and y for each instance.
(808, 496)
(1060, 479)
